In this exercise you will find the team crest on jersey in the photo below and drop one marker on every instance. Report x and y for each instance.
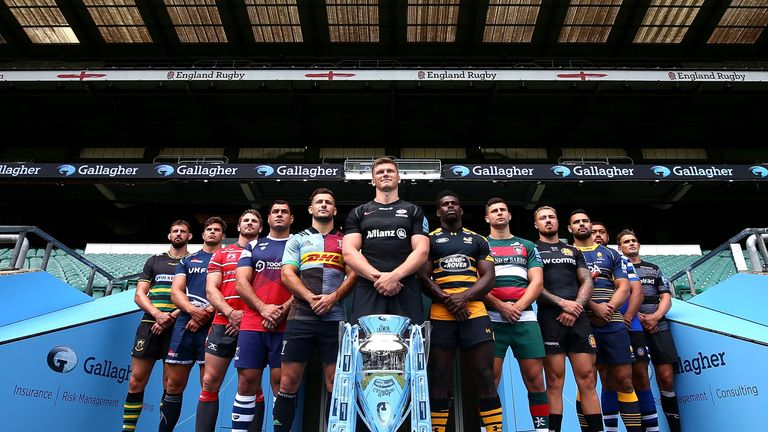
(566, 251)
(468, 240)
(196, 260)
(231, 256)
(591, 341)
(599, 255)
(442, 240)
(139, 345)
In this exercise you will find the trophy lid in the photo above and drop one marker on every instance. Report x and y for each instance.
(384, 324)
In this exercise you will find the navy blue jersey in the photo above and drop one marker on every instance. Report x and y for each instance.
(654, 285)
(606, 266)
(194, 268)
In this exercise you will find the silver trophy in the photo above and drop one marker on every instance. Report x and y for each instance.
(381, 374)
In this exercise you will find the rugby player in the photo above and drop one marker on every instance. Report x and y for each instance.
(187, 345)
(153, 295)
(261, 330)
(314, 272)
(385, 243)
(614, 351)
(640, 380)
(519, 282)
(657, 300)
(457, 276)
(222, 337)
(564, 324)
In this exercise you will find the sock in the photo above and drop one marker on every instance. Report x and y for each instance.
(671, 412)
(610, 403)
(258, 414)
(284, 411)
(555, 422)
(134, 402)
(440, 412)
(207, 411)
(630, 411)
(539, 408)
(491, 414)
(649, 417)
(170, 410)
(580, 413)
(243, 412)
(594, 422)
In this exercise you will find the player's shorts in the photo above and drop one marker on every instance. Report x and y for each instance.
(408, 302)
(462, 334)
(219, 343)
(560, 339)
(149, 345)
(523, 337)
(639, 346)
(614, 347)
(186, 347)
(302, 338)
(256, 350)
(662, 347)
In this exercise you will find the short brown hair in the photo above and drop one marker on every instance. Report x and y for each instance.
(624, 232)
(213, 220)
(249, 211)
(495, 200)
(383, 160)
(181, 222)
(542, 208)
(319, 191)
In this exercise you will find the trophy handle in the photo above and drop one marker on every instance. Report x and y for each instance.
(421, 420)
(343, 412)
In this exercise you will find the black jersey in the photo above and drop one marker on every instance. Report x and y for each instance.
(387, 230)
(158, 272)
(654, 284)
(560, 264)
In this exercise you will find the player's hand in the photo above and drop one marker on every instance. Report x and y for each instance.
(388, 284)
(269, 324)
(566, 319)
(461, 314)
(322, 303)
(231, 330)
(271, 312)
(164, 320)
(604, 311)
(199, 314)
(455, 302)
(571, 307)
(193, 325)
(648, 322)
(627, 321)
(235, 318)
(509, 312)
(157, 329)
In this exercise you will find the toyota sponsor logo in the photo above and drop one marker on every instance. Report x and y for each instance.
(759, 171)
(66, 170)
(62, 359)
(561, 171)
(460, 170)
(661, 171)
(264, 170)
(164, 170)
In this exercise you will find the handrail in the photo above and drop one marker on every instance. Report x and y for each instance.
(687, 271)
(112, 283)
(22, 231)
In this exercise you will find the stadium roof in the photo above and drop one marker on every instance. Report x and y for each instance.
(405, 32)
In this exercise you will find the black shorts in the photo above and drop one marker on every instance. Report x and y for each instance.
(302, 338)
(559, 339)
(408, 302)
(149, 345)
(220, 344)
(462, 334)
(639, 346)
(662, 347)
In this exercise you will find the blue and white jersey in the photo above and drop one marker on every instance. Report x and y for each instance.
(632, 276)
(194, 269)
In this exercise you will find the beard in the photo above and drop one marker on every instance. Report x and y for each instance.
(582, 237)
(323, 219)
(178, 243)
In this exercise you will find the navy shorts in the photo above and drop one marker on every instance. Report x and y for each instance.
(256, 350)
(302, 338)
(187, 347)
(614, 347)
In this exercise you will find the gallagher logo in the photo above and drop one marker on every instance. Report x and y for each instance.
(264, 170)
(660, 171)
(164, 170)
(561, 171)
(62, 359)
(759, 171)
(460, 170)
(66, 170)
